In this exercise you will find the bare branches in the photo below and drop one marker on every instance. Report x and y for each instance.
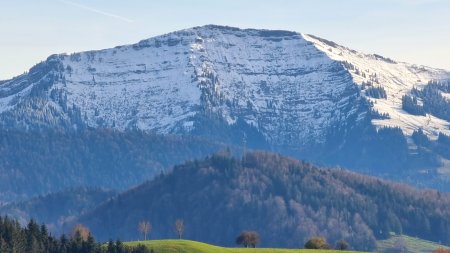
(179, 227)
(145, 228)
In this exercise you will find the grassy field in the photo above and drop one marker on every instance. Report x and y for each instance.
(185, 246)
(414, 245)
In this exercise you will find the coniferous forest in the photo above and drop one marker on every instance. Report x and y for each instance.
(35, 238)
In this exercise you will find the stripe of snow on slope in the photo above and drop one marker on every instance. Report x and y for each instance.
(397, 78)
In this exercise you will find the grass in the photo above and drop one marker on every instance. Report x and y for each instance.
(414, 245)
(185, 246)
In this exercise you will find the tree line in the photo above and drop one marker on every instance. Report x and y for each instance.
(35, 238)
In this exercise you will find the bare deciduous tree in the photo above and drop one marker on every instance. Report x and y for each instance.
(179, 227)
(145, 227)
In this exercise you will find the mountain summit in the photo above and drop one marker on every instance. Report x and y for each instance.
(277, 90)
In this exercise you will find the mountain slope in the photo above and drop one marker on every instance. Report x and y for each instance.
(274, 90)
(396, 78)
(57, 208)
(35, 164)
(286, 201)
(273, 80)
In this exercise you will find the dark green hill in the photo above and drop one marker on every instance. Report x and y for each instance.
(285, 200)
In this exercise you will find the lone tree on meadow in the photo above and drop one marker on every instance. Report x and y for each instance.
(342, 245)
(145, 228)
(317, 242)
(248, 239)
(179, 227)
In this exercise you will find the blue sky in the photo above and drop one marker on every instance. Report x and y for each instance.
(416, 31)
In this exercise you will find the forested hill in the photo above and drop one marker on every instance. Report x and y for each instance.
(38, 163)
(284, 200)
(56, 209)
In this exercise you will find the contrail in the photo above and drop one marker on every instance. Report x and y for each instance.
(96, 11)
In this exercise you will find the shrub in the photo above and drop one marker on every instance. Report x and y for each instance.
(342, 245)
(317, 243)
(248, 239)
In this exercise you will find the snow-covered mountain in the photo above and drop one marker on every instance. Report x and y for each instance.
(290, 86)
(293, 90)
(274, 80)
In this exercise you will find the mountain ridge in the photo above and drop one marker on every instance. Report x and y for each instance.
(205, 72)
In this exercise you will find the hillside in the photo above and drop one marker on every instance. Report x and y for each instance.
(280, 91)
(35, 164)
(184, 246)
(285, 200)
(58, 208)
